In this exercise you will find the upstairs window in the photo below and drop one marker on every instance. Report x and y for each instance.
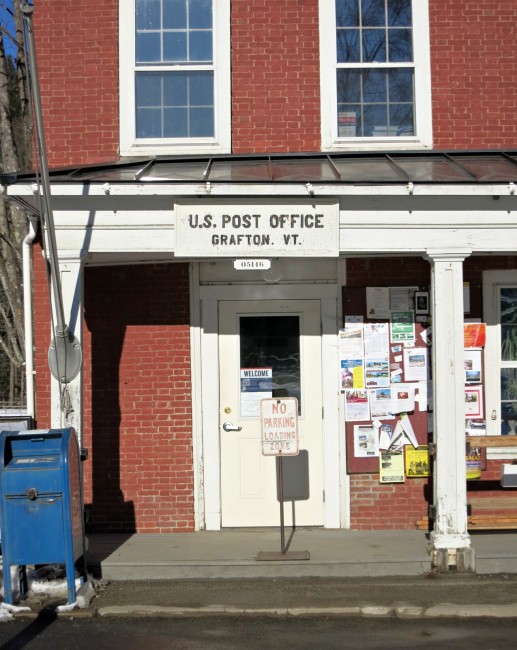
(175, 85)
(375, 73)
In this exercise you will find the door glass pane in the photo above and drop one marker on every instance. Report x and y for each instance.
(509, 324)
(269, 342)
(508, 306)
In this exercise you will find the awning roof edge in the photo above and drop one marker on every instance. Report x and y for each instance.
(470, 167)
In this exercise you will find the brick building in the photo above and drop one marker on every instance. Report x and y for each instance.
(358, 155)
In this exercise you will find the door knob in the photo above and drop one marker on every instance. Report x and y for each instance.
(228, 426)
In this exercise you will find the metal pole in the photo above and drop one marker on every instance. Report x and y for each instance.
(281, 491)
(65, 355)
(62, 328)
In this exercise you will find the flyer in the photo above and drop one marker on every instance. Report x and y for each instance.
(256, 384)
(351, 342)
(366, 441)
(378, 302)
(402, 326)
(417, 462)
(352, 373)
(376, 340)
(380, 403)
(385, 436)
(377, 373)
(403, 397)
(474, 335)
(415, 364)
(391, 467)
(401, 298)
(356, 405)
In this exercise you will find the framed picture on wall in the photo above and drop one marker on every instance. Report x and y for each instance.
(421, 302)
(473, 367)
(473, 401)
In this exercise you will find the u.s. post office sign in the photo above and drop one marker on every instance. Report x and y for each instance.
(265, 229)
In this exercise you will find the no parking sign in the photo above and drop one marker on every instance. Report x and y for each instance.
(279, 426)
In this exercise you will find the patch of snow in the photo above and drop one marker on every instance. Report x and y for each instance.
(49, 581)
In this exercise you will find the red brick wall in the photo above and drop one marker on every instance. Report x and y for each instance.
(275, 76)
(77, 51)
(137, 402)
(394, 506)
(474, 73)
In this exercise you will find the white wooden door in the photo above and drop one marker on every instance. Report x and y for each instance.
(280, 342)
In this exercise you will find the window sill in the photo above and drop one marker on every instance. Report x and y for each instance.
(167, 149)
(402, 144)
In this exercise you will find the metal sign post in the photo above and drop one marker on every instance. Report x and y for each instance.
(279, 426)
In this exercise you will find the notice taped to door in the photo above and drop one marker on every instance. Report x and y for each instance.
(279, 426)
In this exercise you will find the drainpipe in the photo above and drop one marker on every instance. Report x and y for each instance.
(27, 314)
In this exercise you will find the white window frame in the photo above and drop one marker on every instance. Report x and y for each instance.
(328, 67)
(130, 145)
(493, 282)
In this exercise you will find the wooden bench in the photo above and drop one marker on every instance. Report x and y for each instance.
(479, 522)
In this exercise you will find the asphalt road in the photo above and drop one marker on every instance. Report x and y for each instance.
(252, 633)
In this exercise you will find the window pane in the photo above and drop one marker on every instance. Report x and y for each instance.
(348, 50)
(200, 14)
(375, 103)
(184, 102)
(400, 84)
(347, 13)
(175, 14)
(147, 14)
(201, 123)
(375, 121)
(349, 120)
(175, 123)
(174, 47)
(183, 33)
(374, 86)
(273, 342)
(399, 13)
(348, 86)
(374, 45)
(200, 46)
(201, 89)
(509, 401)
(148, 123)
(402, 120)
(148, 90)
(509, 324)
(373, 12)
(148, 47)
(400, 44)
(176, 94)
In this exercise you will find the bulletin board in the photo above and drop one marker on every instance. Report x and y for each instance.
(355, 305)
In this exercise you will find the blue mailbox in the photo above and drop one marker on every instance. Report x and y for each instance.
(41, 511)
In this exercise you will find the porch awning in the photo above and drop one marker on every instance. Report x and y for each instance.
(366, 168)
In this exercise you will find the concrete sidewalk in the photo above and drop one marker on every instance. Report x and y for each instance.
(233, 554)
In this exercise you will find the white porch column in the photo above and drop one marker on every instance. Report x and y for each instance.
(450, 539)
(67, 399)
